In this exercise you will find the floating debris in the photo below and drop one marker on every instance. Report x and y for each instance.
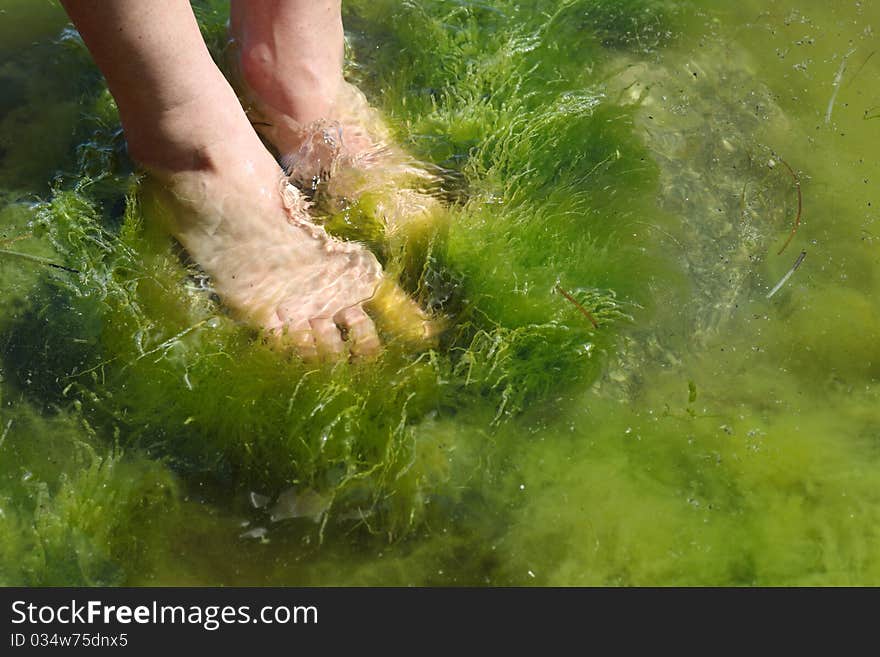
(836, 84)
(797, 263)
(257, 501)
(256, 532)
(300, 504)
(859, 70)
(5, 432)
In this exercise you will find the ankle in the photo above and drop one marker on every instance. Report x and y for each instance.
(305, 91)
(188, 137)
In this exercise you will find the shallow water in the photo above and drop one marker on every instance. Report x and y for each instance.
(643, 156)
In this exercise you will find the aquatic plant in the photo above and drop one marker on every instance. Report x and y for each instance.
(137, 418)
(144, 354)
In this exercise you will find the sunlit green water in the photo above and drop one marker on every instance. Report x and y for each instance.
(633, 152)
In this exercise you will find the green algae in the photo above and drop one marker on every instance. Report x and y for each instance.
(528, 447)
(69, 502)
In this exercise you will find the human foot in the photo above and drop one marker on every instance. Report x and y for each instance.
(224, 199)
(286, 61)
(351, 159)
(250, 231)
(330, 140)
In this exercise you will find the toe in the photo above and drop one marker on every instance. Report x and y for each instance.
(362, 337)
(401, 316)
(328, 340)
(300, 341)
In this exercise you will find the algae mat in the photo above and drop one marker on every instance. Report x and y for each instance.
(622, 395)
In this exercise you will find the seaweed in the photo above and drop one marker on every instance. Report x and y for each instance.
(128, 345)
(150, 357)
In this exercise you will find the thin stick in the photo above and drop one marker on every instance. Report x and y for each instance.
(836, 85)
(742, 201)
(797, 219)
(856, 74)
(584, 311)
(797, 263)
(38, 259)
(5, 432)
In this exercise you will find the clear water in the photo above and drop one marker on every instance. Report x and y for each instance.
(643, 156)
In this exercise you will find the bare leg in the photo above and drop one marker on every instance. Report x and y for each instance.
(291, 53)
(231, 211)
(174, 104)
(290, 58)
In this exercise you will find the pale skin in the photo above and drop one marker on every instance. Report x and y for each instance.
(245, 227)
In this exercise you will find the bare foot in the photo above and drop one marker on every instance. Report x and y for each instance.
(350, 135)
(324, 131)
(250, 231)
(221, 190)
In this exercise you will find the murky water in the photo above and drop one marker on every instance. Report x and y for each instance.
(650, 160)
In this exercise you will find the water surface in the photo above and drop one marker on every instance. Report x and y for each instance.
(645, 157)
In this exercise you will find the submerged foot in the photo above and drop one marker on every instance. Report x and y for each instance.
(251, 232)
(328, 137)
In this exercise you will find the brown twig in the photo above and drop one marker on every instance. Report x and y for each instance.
(584, 311)
(797, 219)
(12, 240)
